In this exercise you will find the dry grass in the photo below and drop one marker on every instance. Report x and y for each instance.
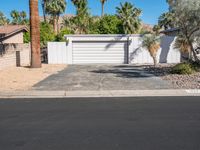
(23, 78)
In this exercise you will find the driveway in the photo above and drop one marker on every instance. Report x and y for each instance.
(102, 77)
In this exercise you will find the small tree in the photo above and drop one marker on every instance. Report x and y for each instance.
(152, 43)
(187, 18)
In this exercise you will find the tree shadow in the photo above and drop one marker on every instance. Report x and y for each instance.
(126, 71)
(159, 71)
(165, 47)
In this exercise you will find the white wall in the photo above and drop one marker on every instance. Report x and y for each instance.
(166, 53)
(57, 53)
(62, 52)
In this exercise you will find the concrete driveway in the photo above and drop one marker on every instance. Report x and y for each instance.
(102, 77)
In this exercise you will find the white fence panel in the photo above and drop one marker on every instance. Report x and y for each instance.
(57, 53)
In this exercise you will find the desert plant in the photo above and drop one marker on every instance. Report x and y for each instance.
(183, 68)
(182, 44)
(152, 43)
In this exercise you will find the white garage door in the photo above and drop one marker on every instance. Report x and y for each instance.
(99, 52)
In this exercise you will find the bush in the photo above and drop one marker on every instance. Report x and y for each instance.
(60, 37)
(183, 68)
(46, 34)
(108, 24)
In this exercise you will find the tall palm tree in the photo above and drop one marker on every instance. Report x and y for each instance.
(130, 17)
(102, 7)
(152, 43)
(166, 20)
(35, 34)
(15, 17)
(82, 19)
(43, 2)
(3, 19)
(55, 8)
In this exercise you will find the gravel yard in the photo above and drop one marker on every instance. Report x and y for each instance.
(23, 78)
(179, 81)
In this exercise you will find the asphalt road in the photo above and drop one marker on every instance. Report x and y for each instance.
(170, 123)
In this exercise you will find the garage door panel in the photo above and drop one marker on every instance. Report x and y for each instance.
(97, 45)
(99, 52)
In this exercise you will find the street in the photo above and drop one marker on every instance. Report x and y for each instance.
(142, 123)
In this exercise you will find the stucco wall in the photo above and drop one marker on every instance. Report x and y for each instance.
(8, 59)
(17, 38)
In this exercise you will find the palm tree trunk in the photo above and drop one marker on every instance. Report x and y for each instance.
(55, 25)
(155, 61)
(102, 9)
(44, 11)
(35, 34)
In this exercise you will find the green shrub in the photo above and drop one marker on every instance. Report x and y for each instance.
(183, 68)
(108, 24)
(60, 37)
(46, 34)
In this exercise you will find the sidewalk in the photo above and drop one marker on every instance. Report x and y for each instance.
(120, 93)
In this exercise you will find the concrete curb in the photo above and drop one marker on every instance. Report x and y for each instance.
(80, 94)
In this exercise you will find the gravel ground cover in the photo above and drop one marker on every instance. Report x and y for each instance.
(179, 81)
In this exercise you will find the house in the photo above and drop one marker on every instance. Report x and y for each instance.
(13, 50)
(12, 34)
(109, 49)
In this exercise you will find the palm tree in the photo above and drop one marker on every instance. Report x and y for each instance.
(102, 7)
(182, 44)
(55, 8)
(23, 18)
(18, 17)
(43, 2)
(3, 19)
(130, 17)
(152, 43)
(15, 17)
(82, 19)
(35, 34)
(166, 20)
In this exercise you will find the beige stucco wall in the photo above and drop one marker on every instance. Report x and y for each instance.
(9, 58)
(18, 38)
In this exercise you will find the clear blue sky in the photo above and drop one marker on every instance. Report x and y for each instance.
(151, 9)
